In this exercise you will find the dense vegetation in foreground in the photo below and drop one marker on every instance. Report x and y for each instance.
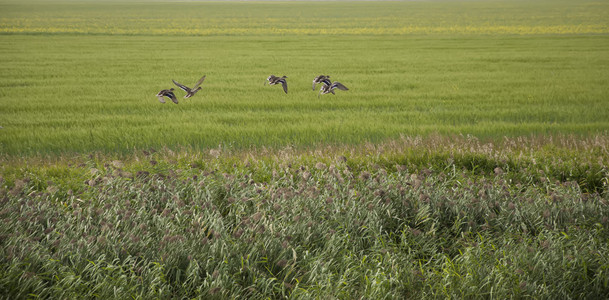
(409, 218)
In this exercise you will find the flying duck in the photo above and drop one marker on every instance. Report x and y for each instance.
(167, 93)
(320, 79)
(273, 80)
(329, 88)
(190, 92)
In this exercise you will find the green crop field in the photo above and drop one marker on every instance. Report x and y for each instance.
(469, 158)
(81, 76)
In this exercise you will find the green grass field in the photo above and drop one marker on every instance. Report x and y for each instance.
(82, 76)
(468, 160)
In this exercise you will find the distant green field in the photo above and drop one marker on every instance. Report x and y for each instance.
(82, 76)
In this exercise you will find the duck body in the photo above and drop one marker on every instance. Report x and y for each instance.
(167, 93)
(328, 87)
(273, 80)
(320, 79)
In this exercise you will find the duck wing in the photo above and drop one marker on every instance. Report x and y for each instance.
(198, 82)
(317, 80)
(172, 96)
(181, 86)
(284, 84)
(160, 98)
(339, 86)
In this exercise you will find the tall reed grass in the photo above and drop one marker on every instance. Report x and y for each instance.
(409, 218)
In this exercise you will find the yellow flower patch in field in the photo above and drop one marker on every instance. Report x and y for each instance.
(297, 18)
(405, 30)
